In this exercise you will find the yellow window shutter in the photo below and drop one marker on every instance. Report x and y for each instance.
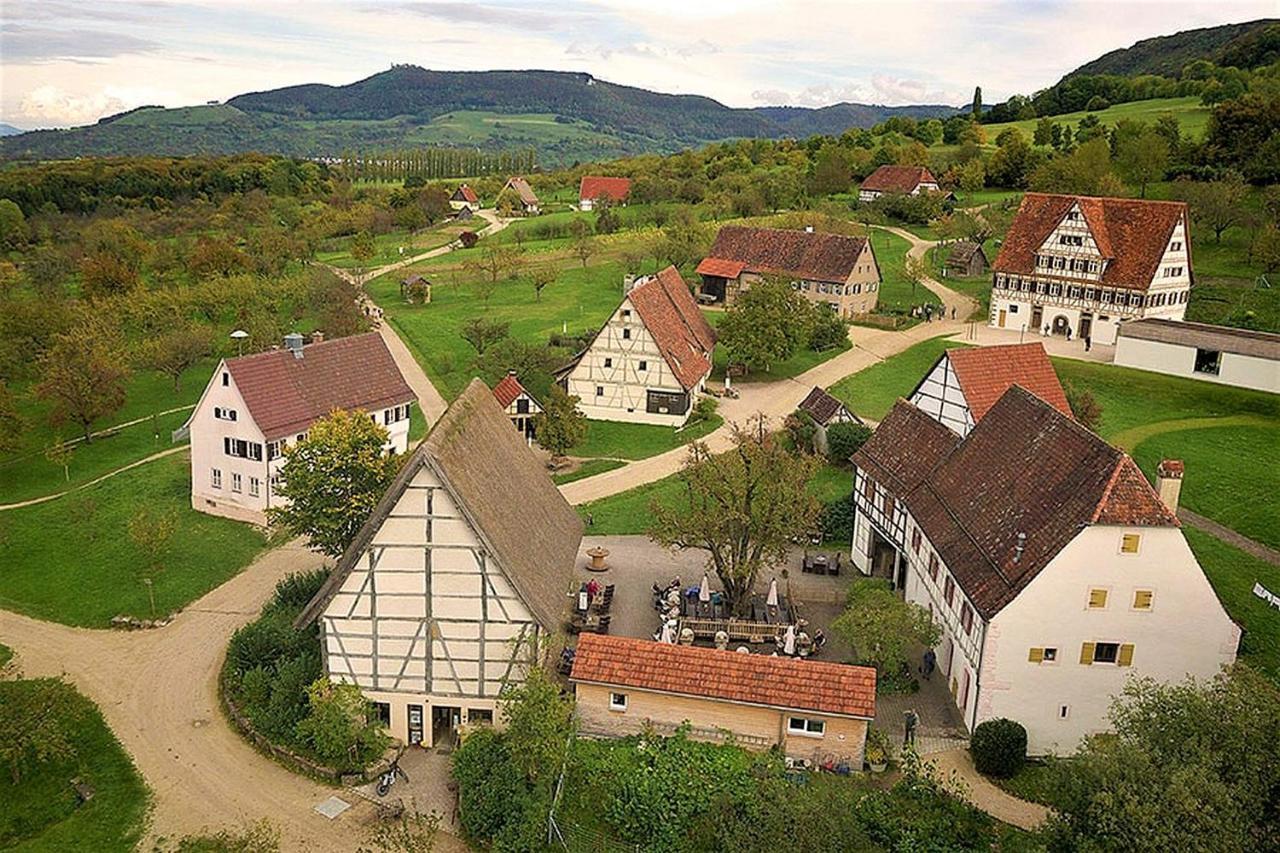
(1086, 653)
(1142, 599)
(1125, 657)
(1097, 598)
(1036, 655)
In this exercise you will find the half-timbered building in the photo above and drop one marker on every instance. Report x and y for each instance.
(1052, 567)
(465, 564)
(518, 403)
(650, 361)
(965, 382)
(1079, 265)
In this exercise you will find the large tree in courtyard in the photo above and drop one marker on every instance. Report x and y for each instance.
(766, 324)
(333, 479)
(743, 507)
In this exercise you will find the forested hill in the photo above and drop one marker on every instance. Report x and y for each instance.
(1246, 45)
(565, 116)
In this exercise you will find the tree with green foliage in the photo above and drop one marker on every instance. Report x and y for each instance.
(1142, 159)
(972, 176)
(363, 248)
(766, 324)
(883, 628)
(13, 225)
(683, 239)
(481, 332)
(175, 350)
(39, 720)
(12, 424)
(977, 103)
(559, 426)
(831, 171)
(744, 507)
(538, 720)
(341, 725)
(844, 438)
(332, 480)
(1217, 205)
(151, 531)
(541, 277)
(1043, 132)
(83, 374)
(1183, 770)
(584, 247)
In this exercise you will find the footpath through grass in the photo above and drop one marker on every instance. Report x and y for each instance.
(1233, 574)
(42, 813)
(71, 560)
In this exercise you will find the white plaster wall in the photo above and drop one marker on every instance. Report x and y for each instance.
(941, 398)
(1186, 632)
(207, 453)
(1242, 371)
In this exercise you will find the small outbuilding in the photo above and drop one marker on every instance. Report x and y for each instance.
(967, 258)
(1244, 358)
(825, 411)
(526, 199)
(415, 289)
(464, 196)
(519, 404)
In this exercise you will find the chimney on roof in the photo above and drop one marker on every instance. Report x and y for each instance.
(1169, 482)
(293, 343)
(1020, 547)
(628, 282)
(317, 337)
(808, 229)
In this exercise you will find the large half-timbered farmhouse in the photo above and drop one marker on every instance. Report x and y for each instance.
(1052, 566)
(1078, 265)
(650, 360)
(463, 567)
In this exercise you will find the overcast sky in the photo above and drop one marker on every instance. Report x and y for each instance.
(72, 61)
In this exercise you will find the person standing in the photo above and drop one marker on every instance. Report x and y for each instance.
(929, 663)
(1088, 342)
(910, 720)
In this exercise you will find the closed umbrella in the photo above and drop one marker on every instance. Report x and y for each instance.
(668, 632)
(789, 640)
(704, 591)
(772, 599)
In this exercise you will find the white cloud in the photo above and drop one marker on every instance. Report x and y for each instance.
(51, 105)
(897, 91)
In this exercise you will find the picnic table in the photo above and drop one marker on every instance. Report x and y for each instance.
(760, 624)
(820, 564)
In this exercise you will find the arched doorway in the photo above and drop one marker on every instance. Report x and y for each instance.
(1060, 325)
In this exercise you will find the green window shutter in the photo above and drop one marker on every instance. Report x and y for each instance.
(1086, 654)
(1125, 657)
(1036, 655)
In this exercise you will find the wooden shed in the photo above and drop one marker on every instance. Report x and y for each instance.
(967, 258)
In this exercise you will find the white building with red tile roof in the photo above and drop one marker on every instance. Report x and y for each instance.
(464, 196)
(965, 382)
(1053, 568)
(592, 188)
(257, 405)
(651, 359)
(1080, 266)
(900, 180)
(518, 403)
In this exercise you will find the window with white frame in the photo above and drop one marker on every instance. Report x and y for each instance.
(806, 727)
(617, 701)
(215, 478)
(255, 487)
(237, 483)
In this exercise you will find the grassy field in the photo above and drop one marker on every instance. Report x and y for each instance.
(897, 293)
(25, 473)
(614, 440)
(588, 468)
(387, 246)
(71, 560)
(1192, 116)
(871, 393)
(1233, 574)
(41, 813)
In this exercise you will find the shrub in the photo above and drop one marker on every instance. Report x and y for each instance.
(468, 239)
(802, 429)
(260, 644)
(999, 747)
(703, 410)
(828, 331)
(340, 726)
(844, 439)
(836, 520)
(492, 792)
(296, 590)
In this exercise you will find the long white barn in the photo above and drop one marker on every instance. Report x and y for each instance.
(442, 598)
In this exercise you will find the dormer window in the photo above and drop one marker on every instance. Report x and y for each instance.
(1073, 216)
(1071, 240)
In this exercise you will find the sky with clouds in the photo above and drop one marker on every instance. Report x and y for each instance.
(66, 62)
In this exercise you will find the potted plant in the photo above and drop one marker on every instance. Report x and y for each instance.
(877, 750)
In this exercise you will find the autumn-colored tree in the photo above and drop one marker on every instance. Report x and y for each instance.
(332, 480)
(174, 351)
(83, 374)
(744, 507)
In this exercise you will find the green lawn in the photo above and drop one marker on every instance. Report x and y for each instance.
(1192, 116)
(897, 293)
(42, 813)
(1034, 782)
(871, 393)
(589, 468)
(71, 560)
(1235, 302)
(387, 246)
(1233, 574)
(990, 195)
(6, 655)
(25, 473)
(614, 440)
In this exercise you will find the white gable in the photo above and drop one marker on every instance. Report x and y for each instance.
(940, 397)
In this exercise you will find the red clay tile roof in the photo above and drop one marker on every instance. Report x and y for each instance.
(1025, 468)
(720, 268)
(904, 448)
(671, 315)
(508, 389)
(822, 407)
(985, 373)
(802, 254)
(465, 193)
(594, 186)
(777, 682)
(286, 394)
(522, 188)
(898, 179)
(1131, 233)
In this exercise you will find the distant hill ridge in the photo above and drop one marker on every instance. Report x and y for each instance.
(1245, 45)
(397, 108)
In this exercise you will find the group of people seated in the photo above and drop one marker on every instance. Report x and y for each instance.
(796, 641)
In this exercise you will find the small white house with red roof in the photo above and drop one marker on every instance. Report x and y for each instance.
(257, 405)
(518, 403)
(464, 196)
(650, 361)
(593, 188)
(897, 180)
(965, 382)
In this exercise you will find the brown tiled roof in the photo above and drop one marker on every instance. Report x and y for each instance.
(822, 407)
(1203, 335)
(1131, 233)
(776, 682)
(508, 389)
(594, 186)
(898, 179)
(522, 188)
(720, 268)
(503, 490)
(802, 254)
(905, 447)
(286, 394)
(671, 315)
(1025, 468)
(963, 251)
(985, 373)
(465, 193)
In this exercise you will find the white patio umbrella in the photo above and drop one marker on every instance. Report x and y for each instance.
(668, 632)
(789, 640)
(704, 591)
(772, 599)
